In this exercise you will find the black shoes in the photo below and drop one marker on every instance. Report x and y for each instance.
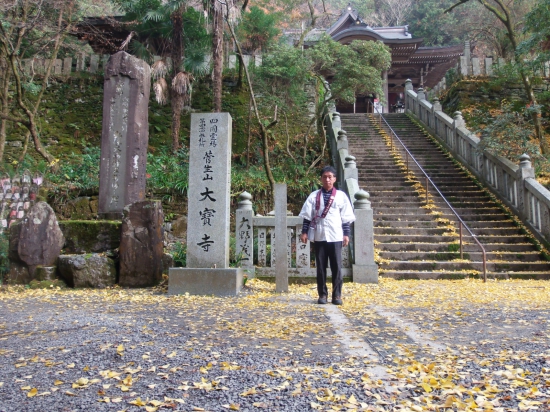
(322, 300)
(337, 301)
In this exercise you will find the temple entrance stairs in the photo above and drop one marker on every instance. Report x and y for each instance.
(420, 241)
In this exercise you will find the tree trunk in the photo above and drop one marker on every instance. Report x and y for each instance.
(4, 107)
(217, 54)
(263, 128)
(241, 73)
(177, 56)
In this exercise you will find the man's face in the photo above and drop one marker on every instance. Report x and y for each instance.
(327, 180)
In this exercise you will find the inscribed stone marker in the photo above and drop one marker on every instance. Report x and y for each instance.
(281, 263)
(125, 134)
(209, 190)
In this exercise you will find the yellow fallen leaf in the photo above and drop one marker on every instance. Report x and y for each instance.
(137, 402)
(150, 408)
(32, 392)
(173, 354)
(155, 402)
(120, 349)
(58, 382)
(352, 400)
(25, 388)
(127, 380)
(124, 388)
(105, 399)
(70, 365)
(70, 393)
(196, 408)
(234, 407)
(248, 392)
(449, 401)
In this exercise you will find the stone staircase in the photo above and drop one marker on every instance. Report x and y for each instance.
(419, 240)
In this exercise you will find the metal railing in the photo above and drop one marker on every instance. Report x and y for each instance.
(428, 182)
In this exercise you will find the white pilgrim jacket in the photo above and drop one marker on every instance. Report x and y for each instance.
(329, 228)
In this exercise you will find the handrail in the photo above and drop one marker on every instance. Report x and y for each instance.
(429, 180)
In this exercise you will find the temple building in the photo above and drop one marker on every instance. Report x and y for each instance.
(425, 66)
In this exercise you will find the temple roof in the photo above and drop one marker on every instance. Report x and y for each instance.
(426, 65)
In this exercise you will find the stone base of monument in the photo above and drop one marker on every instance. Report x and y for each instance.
(197, 281)
(365, 273)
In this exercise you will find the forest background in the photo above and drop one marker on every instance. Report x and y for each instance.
(278, 135)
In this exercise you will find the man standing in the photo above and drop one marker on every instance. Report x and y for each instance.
(327, 216)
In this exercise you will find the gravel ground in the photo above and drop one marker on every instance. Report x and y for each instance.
(115, 349)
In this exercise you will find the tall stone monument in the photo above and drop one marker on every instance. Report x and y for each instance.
(125, 134)
(208, 217)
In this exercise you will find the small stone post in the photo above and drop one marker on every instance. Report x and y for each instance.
(408, 86)
(467, 57)
(342, 140)
(125, 134)
(280, 249)
(476, 69)
(350, 169)
(244, 231)
(525, 171)
(489, 66)
(458, 122)
(365, 270)
(336, 121)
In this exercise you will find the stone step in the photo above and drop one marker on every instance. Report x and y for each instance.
(444, 247)
(450, 256)
(407, 274)
(383, 238)
(410, 231)
(408, 235)
(466, 265)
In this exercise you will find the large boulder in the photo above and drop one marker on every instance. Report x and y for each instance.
(141, 244)
(87, 271)
(90, 236)
(35, 241)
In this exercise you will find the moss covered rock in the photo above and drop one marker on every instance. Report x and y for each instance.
(87, 271)
(90, 236)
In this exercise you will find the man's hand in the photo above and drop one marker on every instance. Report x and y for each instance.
(345, 241)
(303, 237)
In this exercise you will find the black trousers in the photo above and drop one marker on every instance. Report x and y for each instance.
(325, 252)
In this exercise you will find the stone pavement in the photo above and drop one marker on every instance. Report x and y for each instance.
(400, 345)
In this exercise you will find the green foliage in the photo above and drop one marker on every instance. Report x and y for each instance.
(257, 30)
(282, 76)
(537, 29)
(299, 182)
(509, 133)
(4, 261)
(78, 171)
(428, 21)
(168, 172)
(151, 19)
(179, 252)
(355, 68)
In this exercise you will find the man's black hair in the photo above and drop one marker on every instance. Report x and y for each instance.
(328, 169)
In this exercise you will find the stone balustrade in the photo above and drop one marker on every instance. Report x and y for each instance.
(364, 268)
(514, 184)
(258, 232)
